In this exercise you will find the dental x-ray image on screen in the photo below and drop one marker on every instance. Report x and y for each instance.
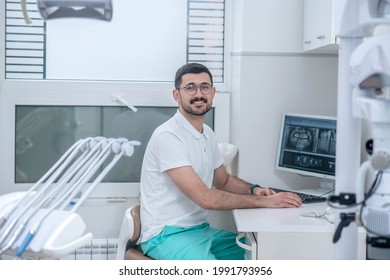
(308, 145)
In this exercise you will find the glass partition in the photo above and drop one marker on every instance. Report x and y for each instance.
(51, 130)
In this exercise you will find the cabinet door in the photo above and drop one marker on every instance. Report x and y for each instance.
(300, 245)
(318, 24)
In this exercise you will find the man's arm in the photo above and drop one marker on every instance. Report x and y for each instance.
(226, 182)
(190, 183)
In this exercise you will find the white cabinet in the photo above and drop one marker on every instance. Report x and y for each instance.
(321, 24)
(300, 245)
(284, 234)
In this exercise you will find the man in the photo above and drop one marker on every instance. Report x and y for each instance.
(181, 164)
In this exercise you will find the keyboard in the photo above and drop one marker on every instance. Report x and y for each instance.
(306, 198)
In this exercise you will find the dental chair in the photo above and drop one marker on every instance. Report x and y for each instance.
(128, 247)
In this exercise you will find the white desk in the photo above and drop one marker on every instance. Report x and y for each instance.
(285, 234)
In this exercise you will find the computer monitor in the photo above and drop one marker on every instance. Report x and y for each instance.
(307, 146)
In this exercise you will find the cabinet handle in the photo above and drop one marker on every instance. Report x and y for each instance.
(320, 37)
(307, 42)
(242, 245)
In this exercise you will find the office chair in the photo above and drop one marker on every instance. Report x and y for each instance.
(128, 249)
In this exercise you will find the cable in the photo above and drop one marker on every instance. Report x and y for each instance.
(24, 10)
(324, 194)
(370, 192)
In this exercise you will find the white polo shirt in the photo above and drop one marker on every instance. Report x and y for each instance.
(174, 144)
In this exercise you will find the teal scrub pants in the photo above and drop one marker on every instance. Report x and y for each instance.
(199, 242)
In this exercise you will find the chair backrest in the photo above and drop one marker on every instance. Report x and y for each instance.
(135, 214)
(128, 247)
(127, 232)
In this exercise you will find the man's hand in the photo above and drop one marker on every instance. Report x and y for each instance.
(263, 191)
(279, 200)
(284, 200)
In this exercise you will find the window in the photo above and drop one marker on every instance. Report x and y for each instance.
(41, 73)
(145, 41)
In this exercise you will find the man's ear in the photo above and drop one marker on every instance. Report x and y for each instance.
(214, 90)
(176, 95)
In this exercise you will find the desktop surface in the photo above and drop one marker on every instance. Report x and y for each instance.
(282, 219)
(284, 233)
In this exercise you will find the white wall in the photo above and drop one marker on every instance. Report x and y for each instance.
(272, 76)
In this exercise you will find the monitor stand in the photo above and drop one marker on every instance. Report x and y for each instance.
(326, 188)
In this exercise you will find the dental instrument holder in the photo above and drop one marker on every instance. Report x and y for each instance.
(60, 231)
(63, 233)
(94, 9)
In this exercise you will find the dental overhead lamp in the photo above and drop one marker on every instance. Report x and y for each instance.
(51, 9)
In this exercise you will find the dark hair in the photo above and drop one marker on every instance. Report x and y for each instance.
(191, 68)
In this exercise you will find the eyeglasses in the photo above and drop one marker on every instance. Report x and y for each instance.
(191, 89)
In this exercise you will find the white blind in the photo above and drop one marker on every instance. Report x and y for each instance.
(24, 44)
(206, 35)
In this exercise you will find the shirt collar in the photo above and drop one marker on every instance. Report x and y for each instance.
(188, 126)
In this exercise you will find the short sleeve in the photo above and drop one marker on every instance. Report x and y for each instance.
(170, 151)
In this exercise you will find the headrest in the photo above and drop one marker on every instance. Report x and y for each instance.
(228, 152)
(370, 63)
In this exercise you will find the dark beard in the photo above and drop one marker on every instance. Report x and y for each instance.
(188, 109)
